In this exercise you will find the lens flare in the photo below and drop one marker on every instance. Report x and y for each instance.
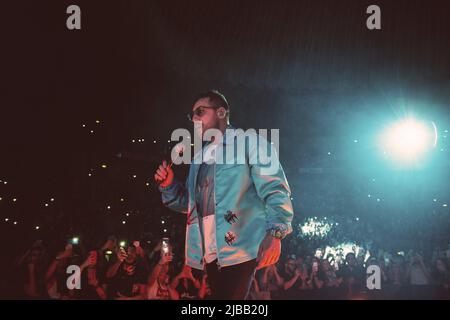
(408, 140)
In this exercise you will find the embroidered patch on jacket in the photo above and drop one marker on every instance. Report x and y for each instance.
(230, 217)
(230, 237)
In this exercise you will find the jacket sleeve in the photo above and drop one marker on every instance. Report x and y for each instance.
(271, 185)
(176, 196)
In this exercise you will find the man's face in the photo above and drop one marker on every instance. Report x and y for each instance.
(319, 253)
(290, 265)
(207, 114)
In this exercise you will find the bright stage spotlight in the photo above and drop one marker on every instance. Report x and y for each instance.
(408, 140)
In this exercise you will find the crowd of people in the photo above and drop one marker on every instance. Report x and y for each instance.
(314, 265)
(310, 268)
(319, 276)
(116, 270)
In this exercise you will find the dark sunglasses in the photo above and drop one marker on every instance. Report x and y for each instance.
(200, 111)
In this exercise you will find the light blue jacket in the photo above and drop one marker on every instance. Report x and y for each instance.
(258, 202)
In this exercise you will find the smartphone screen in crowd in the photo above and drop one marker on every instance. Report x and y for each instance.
(108, 254)
(165, 246)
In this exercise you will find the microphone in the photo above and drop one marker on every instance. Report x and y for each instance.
(178, 150)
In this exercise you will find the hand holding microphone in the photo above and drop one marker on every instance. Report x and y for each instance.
(164, 174)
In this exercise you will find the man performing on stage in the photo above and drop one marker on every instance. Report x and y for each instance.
(237, 213)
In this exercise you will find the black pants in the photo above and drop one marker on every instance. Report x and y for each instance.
(230, 283)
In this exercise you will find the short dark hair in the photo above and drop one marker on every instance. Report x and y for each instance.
(350, 254)
(215, 97)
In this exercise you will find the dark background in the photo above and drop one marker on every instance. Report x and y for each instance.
(310, 68)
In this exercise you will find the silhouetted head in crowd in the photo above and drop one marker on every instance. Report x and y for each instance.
(36, 255)
(300, 262)
(319, 253)
(415, 259)
(290, 265)
(351, 259)
(441, 265)
(308, 260)
(131, 255)
(372, 261)
(325, 265)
